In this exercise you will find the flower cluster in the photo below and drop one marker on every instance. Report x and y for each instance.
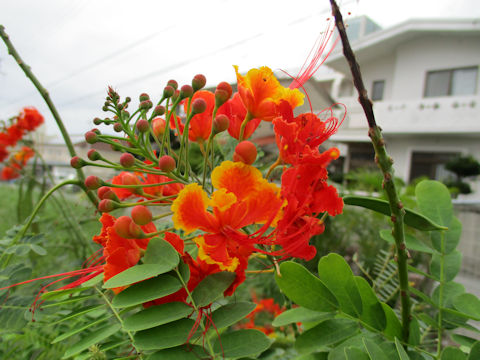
(227, 211)
(27, 121)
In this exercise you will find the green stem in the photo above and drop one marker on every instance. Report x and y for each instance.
(248, 117)
(24, 229)
(385, 164)
(44, 93)
(440, 295)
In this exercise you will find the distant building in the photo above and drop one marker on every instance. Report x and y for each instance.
(423, 78)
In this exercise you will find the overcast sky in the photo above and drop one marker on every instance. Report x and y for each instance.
(79, 47)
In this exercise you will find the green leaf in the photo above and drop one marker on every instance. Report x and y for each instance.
(231, 313)
(394, 327)
(412, 218)
(165, 336)
(77, 330)
(434, 201)
(91, 339)
(414, 333)
(453, 353)
(212, 287)
(451, 265)
(326, 333)
(337, 276)
(184, 352)
(411, 242)
(301, 314)
(135, 274)
(451, 237)
(18, 250)
(78, 312)
(355, 353)
(468, 304)
(147, 290)
(38, 249)
(338, 352)
(157, 315)
(373, 313)
(241, 343)
(304, 289)
(474, 352)
(161, 252)
(464, 340)
(450, 290)
(402, 354)
(69, 300)
(184, 271)
(374, 351)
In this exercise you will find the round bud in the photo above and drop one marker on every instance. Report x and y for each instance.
(176, 94)
(186, 91)
(199, 106)
(168, 91)
(141, 215)
(77, 162)
(224, 86)
(129, 179)
(145, 105)
(144, 97)
(105, 108)
(96, 131)
(118, 127)
(159, 110)
(245, 152)
(125, 114)
(126, 228)
(221, 97)
(93, 155)
(107, 205)
(97, 121)
(167, 163)
(173, 84)
(220, 123)
(158, 126)
(128, 99)
(143, 125)
(198, 82)
(127, 160)
(93, 182)
(106, 193)
(91, 137)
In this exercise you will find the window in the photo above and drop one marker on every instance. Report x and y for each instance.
(451, 82)
(430, 164)
(377, 90)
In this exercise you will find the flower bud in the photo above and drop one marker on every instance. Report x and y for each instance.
(176, 94)
(159, 110)
(144, 97)
(117, 127)
(245, 152)
(145, 105)
(198, 82)
(77, 162)
(168, 91)
(91, 137)
(97, 121)
(93, 182)
(125, 114)
(173, 84)
(143, 125)
(186, 91)
(220, 123)
(141, 215)
(106, 193)
(129, 179)
(199, 106)
(222, 93)
(167, 163)
(126, 228)
(127, 160)
(158, 126)
(93, 155)
(107, 205)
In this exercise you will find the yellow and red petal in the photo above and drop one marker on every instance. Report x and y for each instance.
(190, 210)
(214, 252)
(238, 178)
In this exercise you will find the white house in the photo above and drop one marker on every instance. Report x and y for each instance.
(423, 78)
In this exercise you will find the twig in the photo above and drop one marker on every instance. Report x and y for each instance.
(385, 163)
(44, 93)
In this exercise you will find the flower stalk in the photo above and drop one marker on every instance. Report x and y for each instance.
(385, 164)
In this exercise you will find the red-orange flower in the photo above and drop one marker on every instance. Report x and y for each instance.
(201, 124)
(243, 197)
(9, 173)
(261, 93)
(267, 307)
(236, 112)
(30, 119)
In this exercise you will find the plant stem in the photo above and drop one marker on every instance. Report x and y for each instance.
(385, 164)
(44, 93)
